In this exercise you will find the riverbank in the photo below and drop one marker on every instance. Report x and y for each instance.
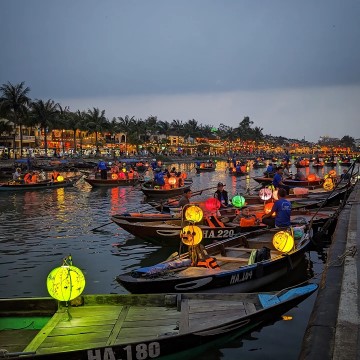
(334, 326)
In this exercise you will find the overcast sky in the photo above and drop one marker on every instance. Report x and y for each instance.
(292, 66)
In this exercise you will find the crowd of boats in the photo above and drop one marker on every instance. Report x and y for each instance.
(205, 292)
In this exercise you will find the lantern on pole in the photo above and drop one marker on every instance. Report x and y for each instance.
(191, 235)
(193, 213)
(283, 241)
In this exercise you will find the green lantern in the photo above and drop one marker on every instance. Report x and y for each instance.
(238, 201)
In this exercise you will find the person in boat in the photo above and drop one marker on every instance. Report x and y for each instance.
(278, 180)
(34, 177)
(282, 209)
(222, 195)
(244, 218)
(159, 178)
(179, 179)
(54, 175)
(185, 199)
(103, 169)
(286, 172)
(269, 170)
(28, 177)
(17, 174)
(345, 175)
(299, 176)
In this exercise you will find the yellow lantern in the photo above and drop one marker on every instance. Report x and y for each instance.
(191, 235)
(283, 241)
(172, 180)
(114, 176)
(60, 178)
(328, 184)
(123, 170)
(193, 213)
(66, 282)
(332, 173)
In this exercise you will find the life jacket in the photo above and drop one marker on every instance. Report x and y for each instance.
(247, 221)
(27, 178)
(209, 263)
(34, 178)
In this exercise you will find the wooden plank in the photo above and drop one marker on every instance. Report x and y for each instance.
(184, 320)
(250, 308)
(116, 329)
(240, 249)
(213, 305)
(45, 331)
(232, 259)
(75, 330)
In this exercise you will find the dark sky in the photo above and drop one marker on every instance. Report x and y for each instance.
(216, 61)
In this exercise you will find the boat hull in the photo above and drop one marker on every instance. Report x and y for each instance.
(111, 182)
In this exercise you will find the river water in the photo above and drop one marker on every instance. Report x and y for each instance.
(39, 228)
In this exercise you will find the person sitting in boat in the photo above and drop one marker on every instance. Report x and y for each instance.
(299, 176)
(54, 175)
(159, 178)
(35, 177)
(114, 168)
(222, 195)
(269, 170)
(286, 172)
(244, 218)
(345, 176)
(179, 179)
(28, 177)
(277, 180)
(185, 199)
(282, 209)
(17, 174)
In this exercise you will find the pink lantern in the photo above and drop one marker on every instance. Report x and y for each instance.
(265, 194)
(212, 204)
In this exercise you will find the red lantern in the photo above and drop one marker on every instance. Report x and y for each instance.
(122, 176)
(212, 204)
(332, 173)
(114, 176)
(311, 177)
(184, 175)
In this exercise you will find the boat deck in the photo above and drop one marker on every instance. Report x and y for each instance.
(93, 326)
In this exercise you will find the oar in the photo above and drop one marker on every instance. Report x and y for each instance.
(94, 229)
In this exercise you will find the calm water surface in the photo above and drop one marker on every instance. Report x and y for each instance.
(39, 228)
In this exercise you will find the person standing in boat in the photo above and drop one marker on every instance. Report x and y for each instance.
(282, 209)
(277, 180)
(103, 169)
(222, 195)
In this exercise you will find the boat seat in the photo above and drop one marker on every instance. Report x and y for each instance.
(239, 249)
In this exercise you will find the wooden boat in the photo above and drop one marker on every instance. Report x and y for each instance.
(154, 192)
(46, 184)
(233, 172)
(143, 217)
(167, 232)
(318, 165)
(259, 165)
(205, 167)
(313, 184)
(111, 182)
(345, 163)
(235, 272)
(134, 327)
(330, 163)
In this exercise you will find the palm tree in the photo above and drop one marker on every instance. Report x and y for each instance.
(125, 125)
(14, 102)
(44, 114)
(74, 122)
(96, 122)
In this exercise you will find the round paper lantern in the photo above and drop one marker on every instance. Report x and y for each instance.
(268, 207)
(114, 176)
(193, 213)
(328, 184)
(265, 194)
(191, 235)
(65, 283)
(172, 180)
(123, 170)
(283, 241)
(238, 201)
(311, 177)
(212, 204)
(121, 176)
(60, 178)
(184, 175)
(332, 173)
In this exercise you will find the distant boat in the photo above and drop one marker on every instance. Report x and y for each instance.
(205, 167)
(156, 192)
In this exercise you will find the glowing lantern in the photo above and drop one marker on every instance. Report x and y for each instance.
(60, 178)
(123, 170)
(268, 207)
(238, 201)
(265, 194)
(191, 235)
(328, 184)
(332, 173)
(172, 180)
(283, 241)
(66, 282)
(184, 175)
(114, 176)
(122, 176)
(311, 177)
(212, 204)
(193, 213)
